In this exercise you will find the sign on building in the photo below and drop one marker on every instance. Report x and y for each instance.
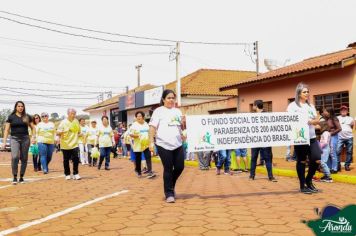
(246, 130)
(153, 96)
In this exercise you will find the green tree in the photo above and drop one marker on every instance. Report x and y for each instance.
(4, 113)
(54, 116)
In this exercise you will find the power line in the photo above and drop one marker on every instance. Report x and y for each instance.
(84, 36)
(46, 104)
(57, 84)
(68, 92)
(41, 95)
(125, 35)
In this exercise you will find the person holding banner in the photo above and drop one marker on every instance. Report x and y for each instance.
(266, 152)
(312, 151)
(166, 125)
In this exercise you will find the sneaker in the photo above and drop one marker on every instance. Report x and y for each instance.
(77, 177)
(14, 181)
(252, 177)
(21, 180)
(312, 187)
(107, 168)
(306, 190)
(227, 173)
(170, 199)
(244, 170)
(68, 177)
(328, 179)
(239, 171)
(138, 175)
(347, 168)
(217, 171)
(150, 175)
(333, 171)
(272, 179)
(145, 172)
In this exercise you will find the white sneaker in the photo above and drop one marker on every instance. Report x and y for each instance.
(68, 177)
(76, 177)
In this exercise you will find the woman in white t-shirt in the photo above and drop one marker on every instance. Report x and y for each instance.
(139, 143)
(106, 142)
(312, 151)
(166, 126)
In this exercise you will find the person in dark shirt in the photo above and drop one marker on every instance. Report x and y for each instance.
(18, 123)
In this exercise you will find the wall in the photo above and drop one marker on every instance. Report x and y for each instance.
(98, 113)
(280, 91)
(131, 114)
(204, 108)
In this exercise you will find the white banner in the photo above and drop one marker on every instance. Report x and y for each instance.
(246, 130)
(153, 96)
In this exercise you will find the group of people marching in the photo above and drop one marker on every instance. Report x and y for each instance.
(165, 134)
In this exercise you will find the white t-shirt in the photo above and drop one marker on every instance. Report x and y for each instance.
(92, 135)
(346, 130)
(167, 121)
(83, 131)
(305, 109)
(140, 143)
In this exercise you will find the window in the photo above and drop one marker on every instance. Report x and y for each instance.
(267, 106)
(334, 100)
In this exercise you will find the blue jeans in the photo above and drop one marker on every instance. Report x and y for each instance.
(104, 154)
(324, 160)
(241, 152)
(349, 143)
(267, 156)
(224, 160)
(45, 151)
(333, 152)
(124, 150)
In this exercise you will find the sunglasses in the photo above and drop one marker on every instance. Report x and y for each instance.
(44, 116)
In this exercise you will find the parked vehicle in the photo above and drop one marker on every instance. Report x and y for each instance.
(7, 146)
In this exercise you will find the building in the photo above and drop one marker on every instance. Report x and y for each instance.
(331, 77)
(204, 85)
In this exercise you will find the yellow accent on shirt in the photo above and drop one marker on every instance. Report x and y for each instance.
(69, 137)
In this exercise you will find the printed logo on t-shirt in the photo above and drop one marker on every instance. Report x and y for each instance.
(175, 121)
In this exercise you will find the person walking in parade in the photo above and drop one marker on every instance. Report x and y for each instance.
(36, 160)
(106, 142)
(18, 123)
(266, 152)
(346, 137)
(92, 141)
(140, 143)
(83, 149)
(166, 126)
(45, 139)
(311, 151)
(69, 130)
(334, 129)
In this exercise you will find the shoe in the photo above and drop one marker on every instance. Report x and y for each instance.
(77, 177)
(244, 170)
(170, 199)
(46, 172)
(138, 175)
(272, 179)
(339, 167)
(145, 172)
(312, 187)
(347, 168)
(21, 180)
(333, 171)
(306, 190)
(99, 167)
(35, 170)
(217, 171)
(68, 177)
(239, 171)
(150, 175)
(107, 168)
(227, 173)
(14, 181)
(252, 177)
(326, 179)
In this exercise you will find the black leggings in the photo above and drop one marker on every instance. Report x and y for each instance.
(173, 165)
(313, 153)
(138, 159)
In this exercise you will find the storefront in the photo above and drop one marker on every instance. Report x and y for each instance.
(145, 101)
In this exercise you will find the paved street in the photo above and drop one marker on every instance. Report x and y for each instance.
(206, 204)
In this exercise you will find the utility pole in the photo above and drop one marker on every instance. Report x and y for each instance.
(127, 89)
(178, 89)
(255, 51)
(138, 68)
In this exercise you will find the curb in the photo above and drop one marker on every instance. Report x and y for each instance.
(348, 179)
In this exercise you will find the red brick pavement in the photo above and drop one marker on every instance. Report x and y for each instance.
(206, 204)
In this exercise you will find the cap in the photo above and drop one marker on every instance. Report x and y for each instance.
(44, 114)
(344, 107)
